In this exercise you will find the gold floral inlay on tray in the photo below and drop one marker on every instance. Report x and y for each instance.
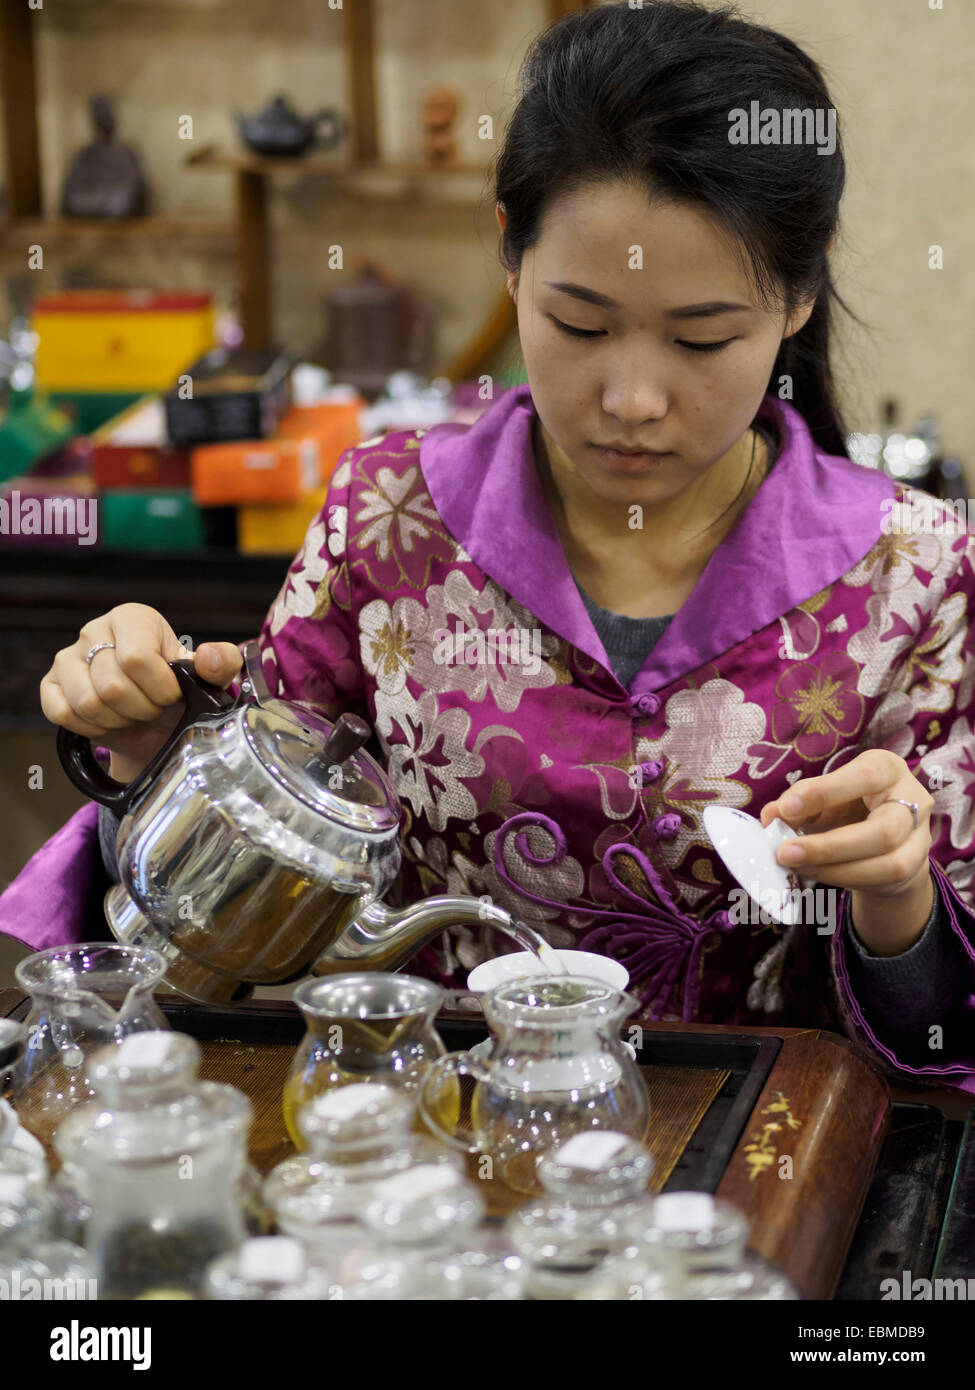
(762, 1152)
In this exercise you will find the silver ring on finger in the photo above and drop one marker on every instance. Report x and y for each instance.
(99, 647)
(912, 806)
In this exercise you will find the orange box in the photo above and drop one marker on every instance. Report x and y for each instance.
(277, 530)
(337, 425)
(255, 470)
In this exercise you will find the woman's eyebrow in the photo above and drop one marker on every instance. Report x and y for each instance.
(688, 311)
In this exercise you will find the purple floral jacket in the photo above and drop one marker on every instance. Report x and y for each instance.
(432, 595)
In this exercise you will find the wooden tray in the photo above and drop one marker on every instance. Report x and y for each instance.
(787, 1124)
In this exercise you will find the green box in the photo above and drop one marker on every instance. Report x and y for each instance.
(91, 409)
(149, 519)
(32, 428)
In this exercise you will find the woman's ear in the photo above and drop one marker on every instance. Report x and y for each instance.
(798, 317)
(512, 278)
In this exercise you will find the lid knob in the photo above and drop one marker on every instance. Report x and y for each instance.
(349, 734)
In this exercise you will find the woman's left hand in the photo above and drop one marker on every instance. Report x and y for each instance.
(855, 835)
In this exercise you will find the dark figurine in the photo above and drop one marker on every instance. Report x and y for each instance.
(105, 179)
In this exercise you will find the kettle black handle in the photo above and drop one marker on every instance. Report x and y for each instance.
(86, 772)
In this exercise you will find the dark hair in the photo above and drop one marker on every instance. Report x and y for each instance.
(644, 95)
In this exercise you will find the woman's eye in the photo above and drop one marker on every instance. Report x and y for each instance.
(577, 332)
(599, 332)
(707, 347)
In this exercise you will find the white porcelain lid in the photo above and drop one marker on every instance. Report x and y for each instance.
(748, 849)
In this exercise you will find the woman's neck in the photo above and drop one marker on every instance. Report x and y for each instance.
(648, 571)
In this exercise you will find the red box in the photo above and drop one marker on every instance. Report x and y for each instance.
(132, 450)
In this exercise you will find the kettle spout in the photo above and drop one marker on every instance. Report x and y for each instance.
(382, 938)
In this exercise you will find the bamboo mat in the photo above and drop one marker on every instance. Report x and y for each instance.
(679, 1099)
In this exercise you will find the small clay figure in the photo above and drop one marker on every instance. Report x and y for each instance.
(105, 178)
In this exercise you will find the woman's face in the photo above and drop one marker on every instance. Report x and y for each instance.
(641, 381)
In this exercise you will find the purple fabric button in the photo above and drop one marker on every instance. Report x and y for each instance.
(651, 771)
(647, 704)
(668, 825)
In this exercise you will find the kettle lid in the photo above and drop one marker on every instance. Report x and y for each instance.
(309, 756)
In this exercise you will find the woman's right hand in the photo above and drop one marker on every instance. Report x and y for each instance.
(128, 698)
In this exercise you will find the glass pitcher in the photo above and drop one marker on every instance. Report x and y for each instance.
(374, 1026)
(82, 998)
(558, 1068)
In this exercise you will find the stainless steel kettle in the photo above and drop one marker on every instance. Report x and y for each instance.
(256, 845)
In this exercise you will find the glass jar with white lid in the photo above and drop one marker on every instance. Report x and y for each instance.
(695, 1247)
(356, 1136)
(267, 1269)
(595, 1203)
(146, 1070)
(429, 1241)
(34, 1264)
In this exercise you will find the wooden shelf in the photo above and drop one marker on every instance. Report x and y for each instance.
(355, 169)
(212, 158)
(26, 231)
(398, 182)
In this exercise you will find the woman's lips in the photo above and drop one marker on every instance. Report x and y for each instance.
(629, 463)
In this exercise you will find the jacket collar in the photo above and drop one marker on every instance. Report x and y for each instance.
(813, 518)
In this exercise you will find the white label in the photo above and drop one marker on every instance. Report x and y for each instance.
(163, 506)
(591, 1150)
(9, 1123)
(268, 1258)
(13, 1186)
(347, 1101)
(684, 1211)
(256, 460)
(308, 464)
(145, 1049)
(416, 1183)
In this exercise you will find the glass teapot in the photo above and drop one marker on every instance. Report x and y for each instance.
(82, 998)
(558, 1068)
(255, 846)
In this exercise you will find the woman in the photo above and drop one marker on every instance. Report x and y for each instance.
(567, 654)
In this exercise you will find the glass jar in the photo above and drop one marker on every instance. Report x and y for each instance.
(596, 1201)
(695, 1248)
(163, 1184)
(33, 1263)
(428, 1242)
(14, 1136)
(356, 1136)
(268, 1268)
(374, 1026)
(146, 1070)
(82, 998)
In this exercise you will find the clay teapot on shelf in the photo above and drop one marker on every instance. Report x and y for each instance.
(279, 130)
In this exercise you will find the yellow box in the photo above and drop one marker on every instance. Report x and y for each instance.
(272, 529)
(121, 340)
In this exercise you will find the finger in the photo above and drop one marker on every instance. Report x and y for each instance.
(119, 691)
(884, 831)
(84, 701)
(58, 710)
(144, 646)
(822, 821)
(217, 662)
(869, 774)
(888, 871)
